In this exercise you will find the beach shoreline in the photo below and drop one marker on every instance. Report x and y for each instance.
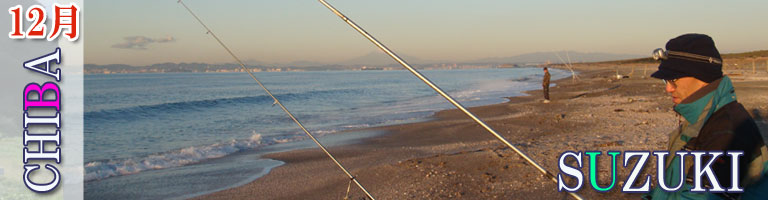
(452, 157)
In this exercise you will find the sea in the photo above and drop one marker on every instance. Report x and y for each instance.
(180, 135)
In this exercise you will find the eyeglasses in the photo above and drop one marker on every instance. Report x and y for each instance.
(660, 54)
(672, 82)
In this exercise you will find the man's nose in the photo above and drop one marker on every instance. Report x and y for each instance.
(669, 88)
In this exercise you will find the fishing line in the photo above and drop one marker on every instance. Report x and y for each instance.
(440, 91)
(278, 102)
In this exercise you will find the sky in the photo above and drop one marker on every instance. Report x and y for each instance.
(145, 32)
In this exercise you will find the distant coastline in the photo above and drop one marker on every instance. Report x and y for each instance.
(733, 61)
(230, 68)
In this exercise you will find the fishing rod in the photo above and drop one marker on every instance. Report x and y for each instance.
(352, 178)
(442, 93)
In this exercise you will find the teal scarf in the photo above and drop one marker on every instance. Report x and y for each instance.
(721, 96)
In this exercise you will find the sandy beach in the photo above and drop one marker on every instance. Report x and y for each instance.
(450, 156)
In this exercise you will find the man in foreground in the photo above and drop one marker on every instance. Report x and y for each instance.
(713, 120)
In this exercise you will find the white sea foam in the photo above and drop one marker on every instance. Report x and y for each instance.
(180, 157)
(356, 126)
(104, 169)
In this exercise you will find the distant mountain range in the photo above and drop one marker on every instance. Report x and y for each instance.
(543, 57)
(375, 58)
(378, 58)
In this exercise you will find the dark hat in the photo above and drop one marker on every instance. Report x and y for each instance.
(676, 67)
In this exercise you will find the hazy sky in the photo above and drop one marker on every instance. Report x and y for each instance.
(141, 32)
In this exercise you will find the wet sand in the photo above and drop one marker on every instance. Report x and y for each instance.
(450, 156)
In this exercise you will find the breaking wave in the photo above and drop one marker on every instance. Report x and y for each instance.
(104, 169)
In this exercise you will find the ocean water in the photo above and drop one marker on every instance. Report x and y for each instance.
(160, 136)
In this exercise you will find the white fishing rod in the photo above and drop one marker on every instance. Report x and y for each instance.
(352, 178)
(445, 95)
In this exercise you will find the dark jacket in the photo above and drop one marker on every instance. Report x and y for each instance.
(729, 128)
